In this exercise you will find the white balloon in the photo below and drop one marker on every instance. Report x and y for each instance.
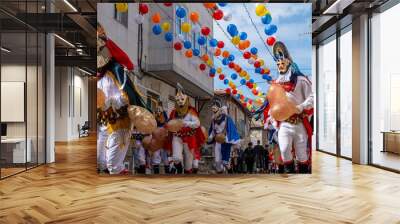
(251, 61)
(139, 19)
(196, 28)
(181, 37)
(228, 16)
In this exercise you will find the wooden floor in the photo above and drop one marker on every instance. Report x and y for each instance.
(70, 191)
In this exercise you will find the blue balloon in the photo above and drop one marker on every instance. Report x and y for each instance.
(213, 42)
(157, 29)
(225, 61)
(243, 81)
(213, 70)
(266, 19)
(270, 29)
(243, 35)
(254, 50)
(231, 57)
(196, 52)
(232, 29)
(201, 40)
(226, 81)
(168, 37)
(267, 77)
(187, 44)
(234, 76)
(258, 70)
(222, 4)
(180, 12)
(251, 80)
(238, 96)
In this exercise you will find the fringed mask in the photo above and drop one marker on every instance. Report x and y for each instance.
(181, 101)
(282, 57)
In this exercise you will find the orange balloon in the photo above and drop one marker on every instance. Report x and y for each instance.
(189, 53)
(242, 45)
(209, 5)
(156, 18)
(246, 43)
(205, 57)
(217, 52)
(225, 54)
(194, 17)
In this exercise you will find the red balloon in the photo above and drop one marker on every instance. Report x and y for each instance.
(202, 67)
(168, 4)
(143, 8)
(255, 92)
(262, 71)
(234, 91)
(218, 14)
(244, 104)
(267, 71)
(221, 77)
(220, 44)
(241, 97)
(250, 101)
(250, 85)
(211, 75)
(246, 55)
(178, 46)
(231, 65)
(270, 41)
(205, 31)
(228, 91)
(257, 64)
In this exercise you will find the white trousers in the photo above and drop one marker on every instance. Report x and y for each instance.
(181, 153)
(218, 157)
(159, 156)
(140, 154)
(102, 136)
(293, 136)
(117, 145)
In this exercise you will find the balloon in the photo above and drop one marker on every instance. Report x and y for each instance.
(232, 30)
(228, 91)
(218, 14)
(246, 55)
(187, 44)
(246, 43)
(222, 4)
(168, 4)
(221, 76)
(165, 26)
(243, 82)
(219, 70)
(121, 7)
(281, 107)
(235, 40)
(196, 52)
(254, 50)
(251, 81)
(226, 81)
(243, 73)
(143, 8)
(211, 75)
(243, 35)
(231, 57)
(213, 70)
(234, 76)
(261, 10)
(217, 52)
(196, 28)
(181, 37)
(168, 37)
(213, 42)
(267, 77)
(142, 119)
(251, 61)
(234, 91)
(225, 54)
(270, 29)
(186, 27)
(270, 41)
(231, 65)
(205, 31)
(201, 40)
(174, 125)
(225, 61)
(242, 45)
(157, 29)
(180, 12)
(209, 5)
(178, 46)
(205, 57)
(139, 19)
(267, 71)
(257, 64)
(156, 18)
(257, 70)
(101, 98)
(194, 17)
(266, 19)
(202, 67)
(228, 16)
(189, 53)
(220, 44)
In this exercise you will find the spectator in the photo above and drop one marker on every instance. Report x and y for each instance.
(249, 157)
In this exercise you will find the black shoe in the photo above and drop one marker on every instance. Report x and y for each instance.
(195, 170)
(304, 168)
(156, 169)
(166, 170)
(142, 169)
(281, 169)
(179, 168)
(289, 168)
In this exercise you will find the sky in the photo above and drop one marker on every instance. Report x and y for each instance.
(294, 30)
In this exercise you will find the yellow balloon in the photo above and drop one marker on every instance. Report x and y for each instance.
(261, 10)
(261, 61)
(219, 70)
(121, 7)
(254, 85)
(165, 26)
(185, 27)
(236, 40)
(209, 62)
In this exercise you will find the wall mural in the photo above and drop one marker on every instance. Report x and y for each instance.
(156, 64)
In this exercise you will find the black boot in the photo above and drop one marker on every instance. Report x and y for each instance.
(289, 168)
(281, 169)
(166, 169)
(195, 170)
(156, 169)
(142, 169)
(179, 168)
(304, 168)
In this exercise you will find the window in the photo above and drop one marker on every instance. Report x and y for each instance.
(121, 17)
(152, 100)
(327, 96)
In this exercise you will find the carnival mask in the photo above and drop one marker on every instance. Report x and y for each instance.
(283, 65)
(181, 99)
